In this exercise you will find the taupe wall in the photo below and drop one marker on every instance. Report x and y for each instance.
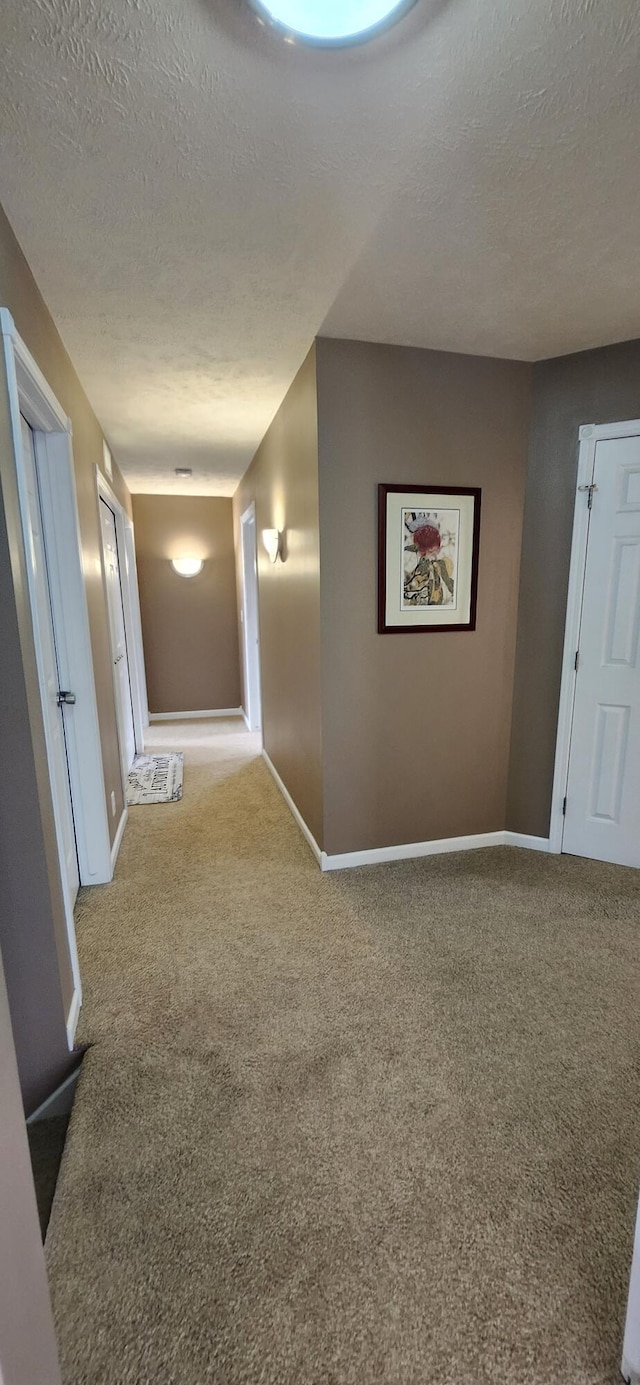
(189, 626)
(33, 938)
(600, 386)
(28, 1353)
(31, 922)
(283, 482)
(416, 727)
(20, 294)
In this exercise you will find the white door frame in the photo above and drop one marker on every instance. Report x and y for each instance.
(589, 434)
(250, 648)
(131, 608)
(30, 395)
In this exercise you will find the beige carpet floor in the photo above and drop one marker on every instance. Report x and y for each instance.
(376, 1126)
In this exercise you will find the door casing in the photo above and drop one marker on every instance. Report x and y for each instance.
(121, 675)
(131, 607)
(42, 574)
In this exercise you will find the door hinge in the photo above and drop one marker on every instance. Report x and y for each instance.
(590, 490)
(564, 807)
(65, 699)
(576, 661)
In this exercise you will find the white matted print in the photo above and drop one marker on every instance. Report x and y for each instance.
(428, 559)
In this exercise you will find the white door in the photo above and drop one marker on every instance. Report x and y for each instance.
(121, 679)
(602, 817)
(54, 712)
(253, 708)
(134, 640)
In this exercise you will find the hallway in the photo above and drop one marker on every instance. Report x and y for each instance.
(379, 1125)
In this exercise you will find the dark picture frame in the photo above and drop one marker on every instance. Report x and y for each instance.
(445, 577)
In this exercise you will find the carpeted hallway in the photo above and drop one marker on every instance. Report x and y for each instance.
(375, 1126)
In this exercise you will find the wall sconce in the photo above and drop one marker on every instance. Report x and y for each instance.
(187, 567)
(272, 540)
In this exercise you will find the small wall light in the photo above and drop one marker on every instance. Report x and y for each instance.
(272, 540)
(187, 567)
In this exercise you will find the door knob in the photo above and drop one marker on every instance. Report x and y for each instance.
(66, 699)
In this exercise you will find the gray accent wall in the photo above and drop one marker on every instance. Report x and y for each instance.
(600, 386)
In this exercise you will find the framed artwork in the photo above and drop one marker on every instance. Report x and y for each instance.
(428, 546)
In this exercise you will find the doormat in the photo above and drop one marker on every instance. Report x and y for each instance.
(156, 779)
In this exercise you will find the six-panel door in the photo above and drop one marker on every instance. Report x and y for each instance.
(603, 792)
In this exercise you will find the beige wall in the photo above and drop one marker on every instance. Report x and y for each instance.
(189, 627)
(416, 728)
(600, 386)
(32, 932)
(283, 482)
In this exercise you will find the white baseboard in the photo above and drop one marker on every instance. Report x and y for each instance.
(306, 832)
(117, 841)
(197, 716)
(526, 842)
(255, 730)
(439, 847)
(73, 1017)
(409, 852)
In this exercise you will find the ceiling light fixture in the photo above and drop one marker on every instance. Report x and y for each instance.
(331, 23)
(187, 567)
(183, 471)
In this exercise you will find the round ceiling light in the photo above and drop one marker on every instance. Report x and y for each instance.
(332, 22)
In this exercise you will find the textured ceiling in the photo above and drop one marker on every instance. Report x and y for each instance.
(198, 199)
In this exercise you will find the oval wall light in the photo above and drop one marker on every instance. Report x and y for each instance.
(331, 22)
(187, 567)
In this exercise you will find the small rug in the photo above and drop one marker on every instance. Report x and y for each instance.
(156, 779)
